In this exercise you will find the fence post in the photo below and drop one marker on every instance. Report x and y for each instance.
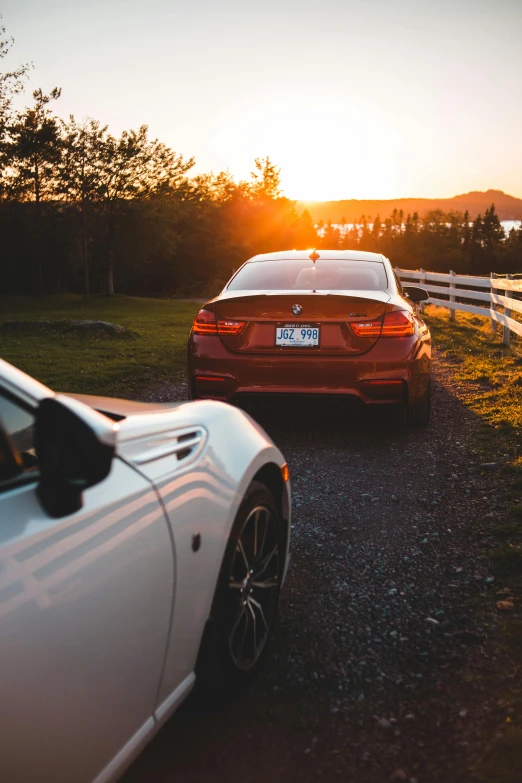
(492, 323)
(506, 331)
(421, 280)
(452, 298)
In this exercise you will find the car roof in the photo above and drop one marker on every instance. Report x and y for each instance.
(351, 255)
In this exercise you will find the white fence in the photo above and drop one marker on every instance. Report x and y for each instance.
(496, 291)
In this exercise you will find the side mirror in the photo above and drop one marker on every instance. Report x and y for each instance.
(75, 446)
(415, 293)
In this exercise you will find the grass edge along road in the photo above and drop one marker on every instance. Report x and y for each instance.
(488, 379)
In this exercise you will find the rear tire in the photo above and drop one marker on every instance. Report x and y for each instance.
(191, 389)
(419, 415)
(245, 602)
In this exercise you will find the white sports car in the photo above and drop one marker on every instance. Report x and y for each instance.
(142, 547)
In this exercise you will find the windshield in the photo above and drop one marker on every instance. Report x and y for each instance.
(303, 274)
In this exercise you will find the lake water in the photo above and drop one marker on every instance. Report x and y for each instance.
(507, 225)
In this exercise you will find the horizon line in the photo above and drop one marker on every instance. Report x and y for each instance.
(407, 198)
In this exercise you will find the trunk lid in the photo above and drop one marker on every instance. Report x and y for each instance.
(332, 312)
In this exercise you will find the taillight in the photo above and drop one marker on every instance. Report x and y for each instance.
(231, 327)
(367, 328)
(398, 323)
(205, 323)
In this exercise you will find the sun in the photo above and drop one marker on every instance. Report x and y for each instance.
(327, 154)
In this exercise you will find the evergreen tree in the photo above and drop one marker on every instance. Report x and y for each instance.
(134, 168)
(511, 258)
(11, 83)
(331, 238)
(466, 232)
(33, 150)
(266, 179)
(375, 234)
(364, 233)
(80, 175)
(493, 233)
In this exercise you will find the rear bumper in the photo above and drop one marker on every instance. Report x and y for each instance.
(393, 371)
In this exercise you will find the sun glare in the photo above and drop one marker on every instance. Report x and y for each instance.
(325, 152)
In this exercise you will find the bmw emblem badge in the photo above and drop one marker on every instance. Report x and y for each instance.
(297, 309)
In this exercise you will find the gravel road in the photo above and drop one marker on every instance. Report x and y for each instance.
(368, 676)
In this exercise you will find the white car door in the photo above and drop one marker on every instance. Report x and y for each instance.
(85, 608)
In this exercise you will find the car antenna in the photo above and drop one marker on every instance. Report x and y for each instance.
(314, 255)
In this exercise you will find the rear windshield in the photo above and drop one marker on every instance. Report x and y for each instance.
(303, 274)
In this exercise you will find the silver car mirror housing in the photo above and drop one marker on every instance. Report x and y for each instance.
(75, 447)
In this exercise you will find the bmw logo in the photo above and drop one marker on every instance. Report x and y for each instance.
(297, 309)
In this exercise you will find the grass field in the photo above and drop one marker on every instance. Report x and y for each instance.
(150, 354)
(491, 372)
(490, 377)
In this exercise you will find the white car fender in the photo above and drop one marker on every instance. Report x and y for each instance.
(201, 493)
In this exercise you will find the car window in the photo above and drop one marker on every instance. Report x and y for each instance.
(18, 424)
(303, 274)
(399, 286)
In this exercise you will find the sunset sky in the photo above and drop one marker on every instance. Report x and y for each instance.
(367, 99)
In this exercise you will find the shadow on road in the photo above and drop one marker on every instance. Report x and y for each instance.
(327, 419)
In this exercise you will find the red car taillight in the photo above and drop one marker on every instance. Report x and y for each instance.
(367, 328)
(398, 323)
(231, 327)
(205, 323)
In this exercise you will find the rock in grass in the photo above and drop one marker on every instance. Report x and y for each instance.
(69, 325)
(104, 326)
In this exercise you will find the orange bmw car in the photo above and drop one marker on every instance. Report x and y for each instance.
(327, 322)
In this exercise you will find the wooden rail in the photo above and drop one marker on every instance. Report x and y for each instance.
(493, 290)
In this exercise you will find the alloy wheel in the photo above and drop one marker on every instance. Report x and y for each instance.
(253, 587)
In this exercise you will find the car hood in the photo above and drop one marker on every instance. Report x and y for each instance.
(118, 409)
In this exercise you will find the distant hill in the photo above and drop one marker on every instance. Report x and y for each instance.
(507, 207)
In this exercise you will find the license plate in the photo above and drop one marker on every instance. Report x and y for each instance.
(297, 335)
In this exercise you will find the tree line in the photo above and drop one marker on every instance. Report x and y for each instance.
(438, 241)
(84, 210)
